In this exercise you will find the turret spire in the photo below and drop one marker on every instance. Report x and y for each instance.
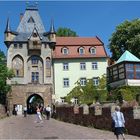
(52, 29)
(7, 26)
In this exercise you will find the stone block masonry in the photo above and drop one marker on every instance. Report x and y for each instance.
(100, 121)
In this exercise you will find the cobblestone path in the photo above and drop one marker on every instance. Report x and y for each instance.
(18, 127)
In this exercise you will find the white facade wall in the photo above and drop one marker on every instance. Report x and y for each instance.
(74, 73)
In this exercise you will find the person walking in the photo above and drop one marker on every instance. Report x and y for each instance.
(16, 110)
(25, 111)
(48, 112)
(39, 118)
(119, 123)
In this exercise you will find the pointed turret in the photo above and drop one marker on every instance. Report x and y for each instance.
(9, 34)
(52, 29)
(52, 35)
(7, 29)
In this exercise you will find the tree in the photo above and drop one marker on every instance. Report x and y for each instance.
(65, 32)
(126, 37)
(89, 93)
(5, 74)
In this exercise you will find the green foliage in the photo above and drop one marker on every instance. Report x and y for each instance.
(65, 32)
(89, 93)
(127, 93)
(5, 74)
(126, 37)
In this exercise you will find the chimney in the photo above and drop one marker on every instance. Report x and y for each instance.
(21, 16)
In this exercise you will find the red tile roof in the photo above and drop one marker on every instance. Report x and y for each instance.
(78, 41)
(74, 43)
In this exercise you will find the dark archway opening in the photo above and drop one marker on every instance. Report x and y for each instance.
(32, 102)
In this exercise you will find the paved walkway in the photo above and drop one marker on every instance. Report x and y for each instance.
(18, 127)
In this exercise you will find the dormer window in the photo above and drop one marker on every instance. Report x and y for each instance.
(81, 50)
(65, 51)
(92, 50)
(31, 20)
(34, 34)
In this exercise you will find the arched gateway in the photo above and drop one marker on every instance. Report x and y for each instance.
(33, 101)
(23, 96)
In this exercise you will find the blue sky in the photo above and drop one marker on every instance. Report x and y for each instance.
(87, 18)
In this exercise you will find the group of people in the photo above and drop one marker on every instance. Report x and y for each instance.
(118, 121)
(40, 111)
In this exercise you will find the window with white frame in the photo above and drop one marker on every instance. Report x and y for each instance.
(82, 81)
(94, 65)
(81, 50)
(75, 100)
(93, 50)
(35, 77)
(65, 66)
(66, 82)
(62, 99)
(96, 81)
(82, 66)
(65, 51)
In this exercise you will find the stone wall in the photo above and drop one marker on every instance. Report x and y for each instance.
(98, 117)
(21, 93)
(2, 111)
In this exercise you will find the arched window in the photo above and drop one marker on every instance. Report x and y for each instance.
(92, 50)
(48, 63)
(81, 50)
(17, 65)
(34, 59)
(65, 50)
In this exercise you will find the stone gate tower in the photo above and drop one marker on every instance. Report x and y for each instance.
(29, 54)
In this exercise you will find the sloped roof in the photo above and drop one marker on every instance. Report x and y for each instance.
(24, 37)
(78, 41)
(27, 27)
(74, 43)
(127, 56)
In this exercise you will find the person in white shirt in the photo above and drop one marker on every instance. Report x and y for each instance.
(119, 122)
(48, 112)
(39, 118)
